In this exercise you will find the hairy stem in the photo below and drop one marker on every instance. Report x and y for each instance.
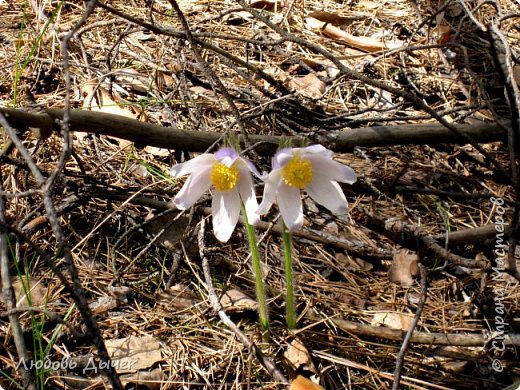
(289, 300)
(257, 270)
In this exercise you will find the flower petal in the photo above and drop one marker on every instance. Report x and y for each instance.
(225, 209)
(196, 185)
(328, 193)
(317, 150)
(195, 164)
(270, 189)
(251, 167)
(290, 204)
(333, 170)
(248, 196)
(226, 156)
(282, 157)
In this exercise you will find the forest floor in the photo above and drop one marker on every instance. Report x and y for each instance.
(423, 247)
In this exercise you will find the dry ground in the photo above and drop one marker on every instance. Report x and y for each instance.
(111, 197)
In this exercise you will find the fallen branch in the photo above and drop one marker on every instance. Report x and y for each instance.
(411, 236)
(455, 339)
(44, 123)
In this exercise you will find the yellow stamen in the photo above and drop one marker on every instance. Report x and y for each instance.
(297, 172)
(224, 178)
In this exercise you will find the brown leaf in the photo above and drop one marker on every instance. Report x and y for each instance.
(302, 383)
(103, 304)
(31, 292)
(353, 263)
(98, 99)
(132, 79)
(178, 297)
(157, 152)
(392, 320)
(404, 268)
(235, 301)
(309, 86)
(133, 353)
(298, 357)
(151, 380)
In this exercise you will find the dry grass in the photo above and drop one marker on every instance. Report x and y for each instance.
(156, 77)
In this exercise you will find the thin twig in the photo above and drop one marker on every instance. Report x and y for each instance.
(406, 341)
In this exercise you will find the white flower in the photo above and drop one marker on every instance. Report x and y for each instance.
(311, 169)
(229, 176)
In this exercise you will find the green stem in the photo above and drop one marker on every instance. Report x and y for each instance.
(289, 300)
(257, 270)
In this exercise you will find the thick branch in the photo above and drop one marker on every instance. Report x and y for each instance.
(198, 141)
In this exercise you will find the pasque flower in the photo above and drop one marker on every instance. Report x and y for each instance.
(311, 169)
(229, 177)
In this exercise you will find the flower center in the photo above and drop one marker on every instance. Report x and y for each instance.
(297, 172)
(224, 178)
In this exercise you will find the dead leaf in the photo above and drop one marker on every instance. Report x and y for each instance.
(444, 33)
(103, 304)
(157, 152)
(133, 353)
(98, 99)
(178, 297)
(309, 86)
(369, 44)
(392, 320)
(302, 383)
(298, 357)
(151, 380)
(33, 294)
(117, 298)
(404, 267)
(131, 79)
(353, 263)
(199, 91)
(446, 357)
(235, 301)
(367, 4)
(120, 293)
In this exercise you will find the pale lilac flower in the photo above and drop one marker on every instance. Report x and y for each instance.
(311, 169)
(229, 177)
